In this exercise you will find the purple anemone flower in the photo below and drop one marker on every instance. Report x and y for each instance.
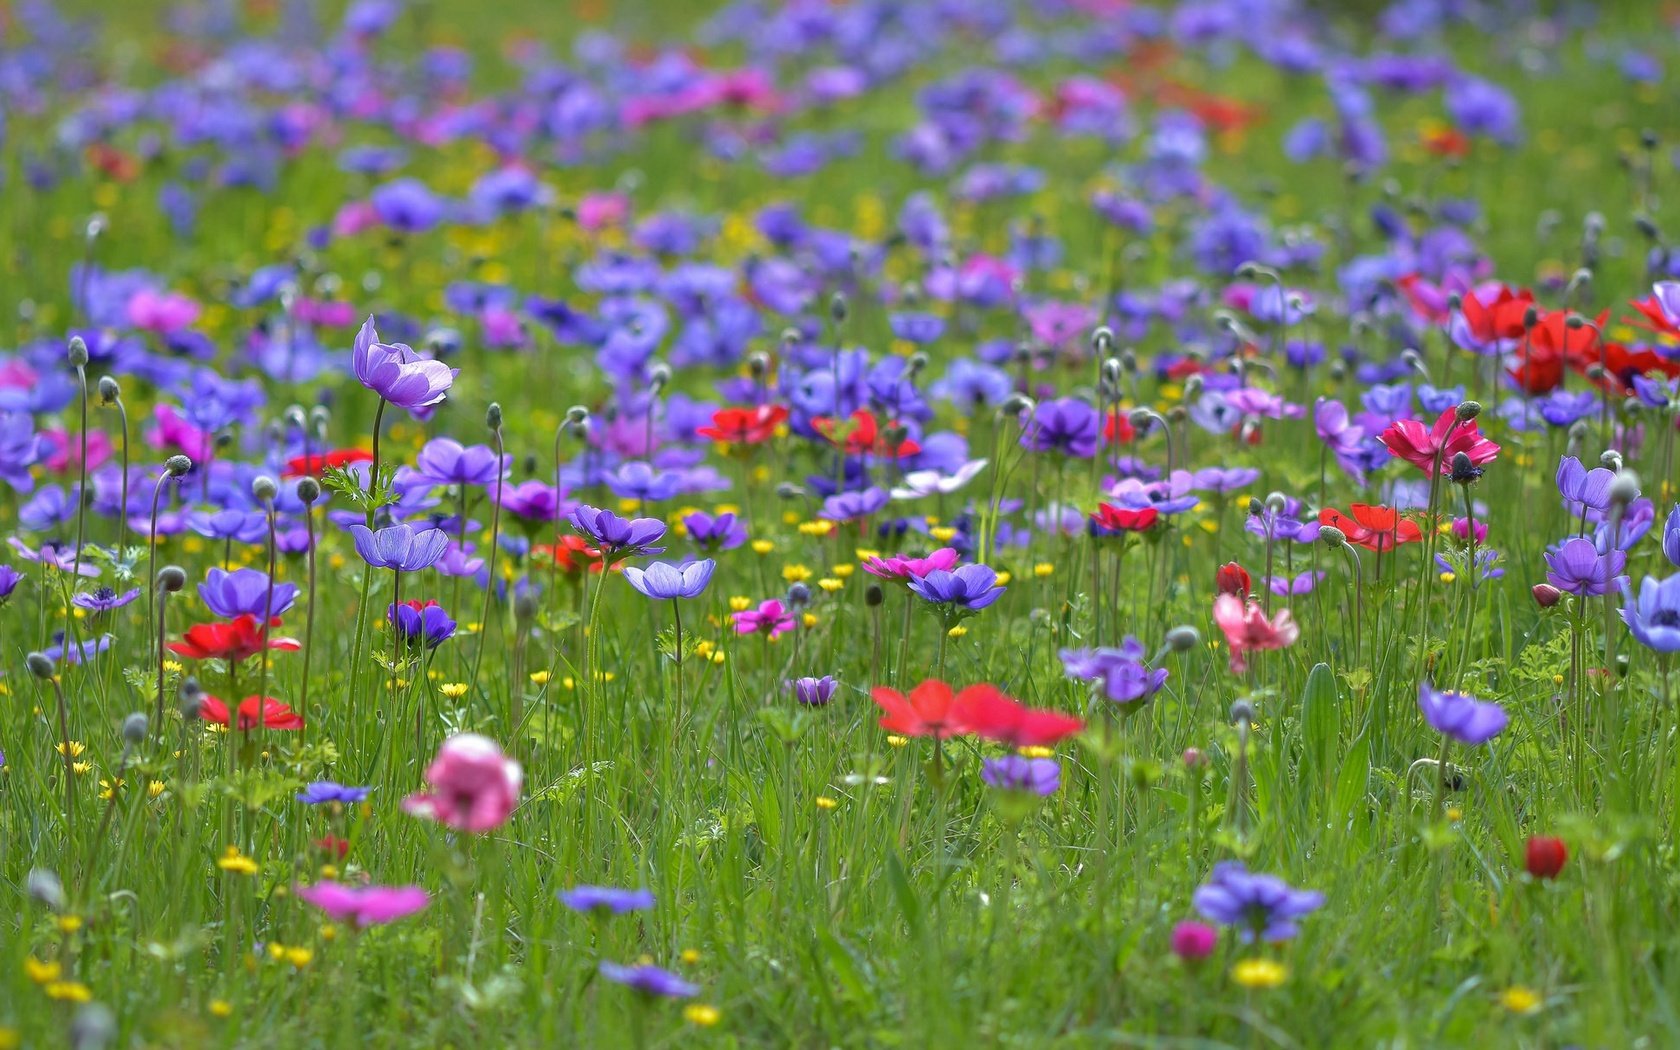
(62, 559)
(1654, 616)
(398, 374)
(1037, 776)
(606, 899)
(244, 591)
(649, 980)
(324, 791)
(1066, 425)
(532, 502)
(1120, 673)
(104, 599)
(399, 547)
(968, 588)
(662, 581)
(445, 461)
(9, 580)
(617, 537)
(722, 533)
(1260, 905)
(1586, 493)
(1461, 717)
(814, 692)
(1578, 567)
(420, 624)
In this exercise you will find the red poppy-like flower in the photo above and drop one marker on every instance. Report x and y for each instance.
(1446, 142)
(1233, 579)
(1544, 856)
(1578, 345)
(570, 554)
(1433, 448)
(113, 163)
(1374, 528)
(1118, 429)
(1500, 319)
(254, 711)
(1110, 518)
(744, 426)
(986, 712)
(233, 641)
(925, 712)
(1622, 364)
(316, 462)
(334, 845)
(864, 436)
(1657, 316)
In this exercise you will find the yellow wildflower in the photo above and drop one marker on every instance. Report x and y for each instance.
(539, 677)
(824, 802)
(1519, 999)
(221, 1008)
(1259, 973)
(690, 956)
(69, 923)
(956, 632)
(76, 748)
(795, 573)
(237, 862)
(830, 584)
(41, 972)
(702, 1014)
(1043, 569)
(68, 991)
(453, 690)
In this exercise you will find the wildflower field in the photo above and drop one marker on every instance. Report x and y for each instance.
(839, 523)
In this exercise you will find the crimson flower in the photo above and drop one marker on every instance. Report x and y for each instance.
(864, 436)
(1118, 429)
(927, 711)
(254, 711)
(1544, 856)
(1433, 448)
(316, 462)
(238, 639)
(1233, 579)
(1111, 519)
(744, 426)
(1374, 528)
(986, 712)
(571, 554)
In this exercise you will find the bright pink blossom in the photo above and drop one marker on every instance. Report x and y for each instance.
(475, 787)
(1248, 630)
(1433, 448)
(365, 905)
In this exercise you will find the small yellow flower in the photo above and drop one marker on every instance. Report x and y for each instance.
(329, 871)
(1557, 679)
(76, 748)
(690, 956)
(864, 554)
(539, 677)
(795, 573)
(897, 741)
(329, 932)
(1003, 578)
(69, 923)
(956, 632)
(1043, 569)
(154, 788)
(1259, 973)
(300, 957)
(810, 620)
(453, 690)
(81, 768)
(702, 1014)
(173, 666)
(824, 802)
(10, 1039)
(943, 533)
(1520, 999)
(107, 788)
(1455, 814)
(816, 528)
(739, 602)
(830, 584)
(843, 571)
(762, 546)
(1448, 577)
(69, 992)
(237, 862)
(221, 1008)
(41, 972)
(1037, 752)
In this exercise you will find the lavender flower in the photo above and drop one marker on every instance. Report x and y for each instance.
(814, 692)
(420, 625)
(1261, 905)
(324, 791)
(445, 461)
(1038, 776)
(722, 533)
(399, 547)
(615, 536)
(244, 592)
(606, 899)
(662, 581)
(649, 980)
(1654, 617)
(398, 374)
(1461, 717)
(9, 580)
(1066, 425)
(966, 589)
(104, 599)
(1578, 567)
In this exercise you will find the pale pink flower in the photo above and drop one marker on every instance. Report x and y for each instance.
(475, 787)
(1248, 630)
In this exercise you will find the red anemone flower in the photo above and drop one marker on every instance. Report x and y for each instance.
(571, 554)
(1118, 430)
(927, 711)
(1501, 319)
(254, 711)
(233, 641)
(316, 462)
(744, 426)
(1433, 448)
(864, 436)
(1233, 579)
(1654, 317)
(1110, 518)
(1374, 528)
(1544, 856)
(986, 712)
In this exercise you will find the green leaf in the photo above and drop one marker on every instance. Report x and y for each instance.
(1321, 725)
(903, 892)
(1355, 776)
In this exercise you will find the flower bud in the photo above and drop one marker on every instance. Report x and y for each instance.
(1332, 537)
(1610, 459)
(1256, 506)
(93, 1027)
(1625, 489)
(758, 364)
(493, 416)
(191, 698)
(659, 375)
(171, 578)
(77, 352)
(308, 490)
(1468, 410)
(1194, 758)
(799, 596)
(264, 488)
(134, 728)
(1183, 638)
(837, 308)
(1545, 595)
(296, 418)
(873, 595)
(110, 391)
(1242, 713)
(1102, 339)
(45, 889)
(177, 466)
(40, 665)
(788, 490)
(1015, 405)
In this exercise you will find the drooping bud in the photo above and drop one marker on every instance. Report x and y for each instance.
(1332, 537)
(1183, 638)
(493, 416)
(1625, 489)
(177, 466)
(40, 665)
(171, 578)
(1468, 410)
(191, 698)
(110, 391)
(134, 728)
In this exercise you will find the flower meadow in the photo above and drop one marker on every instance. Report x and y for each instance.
(866, 523)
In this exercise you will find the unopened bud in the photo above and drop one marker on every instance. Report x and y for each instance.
(493, 416)
(171, 578)
(134, 728)
(191, 698)
(77, 352)
(1468, 410)
(45, 888)
(1610, 459)
(93, 1027)
(1625, 489)
(1545, 595)
(1332, 537)
(177, 466)
(110, 391)
(308, 491)
(873, 595)
(799, 596)
(264, 488)
(1194, 759)
(1183, 638)
(837, 308)
(1242, 713)
(758, 364)
(659, 375)
(40, 665)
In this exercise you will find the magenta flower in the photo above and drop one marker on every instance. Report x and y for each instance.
(475, 787)
(771, 617)
(899, 569)
(365, 906)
